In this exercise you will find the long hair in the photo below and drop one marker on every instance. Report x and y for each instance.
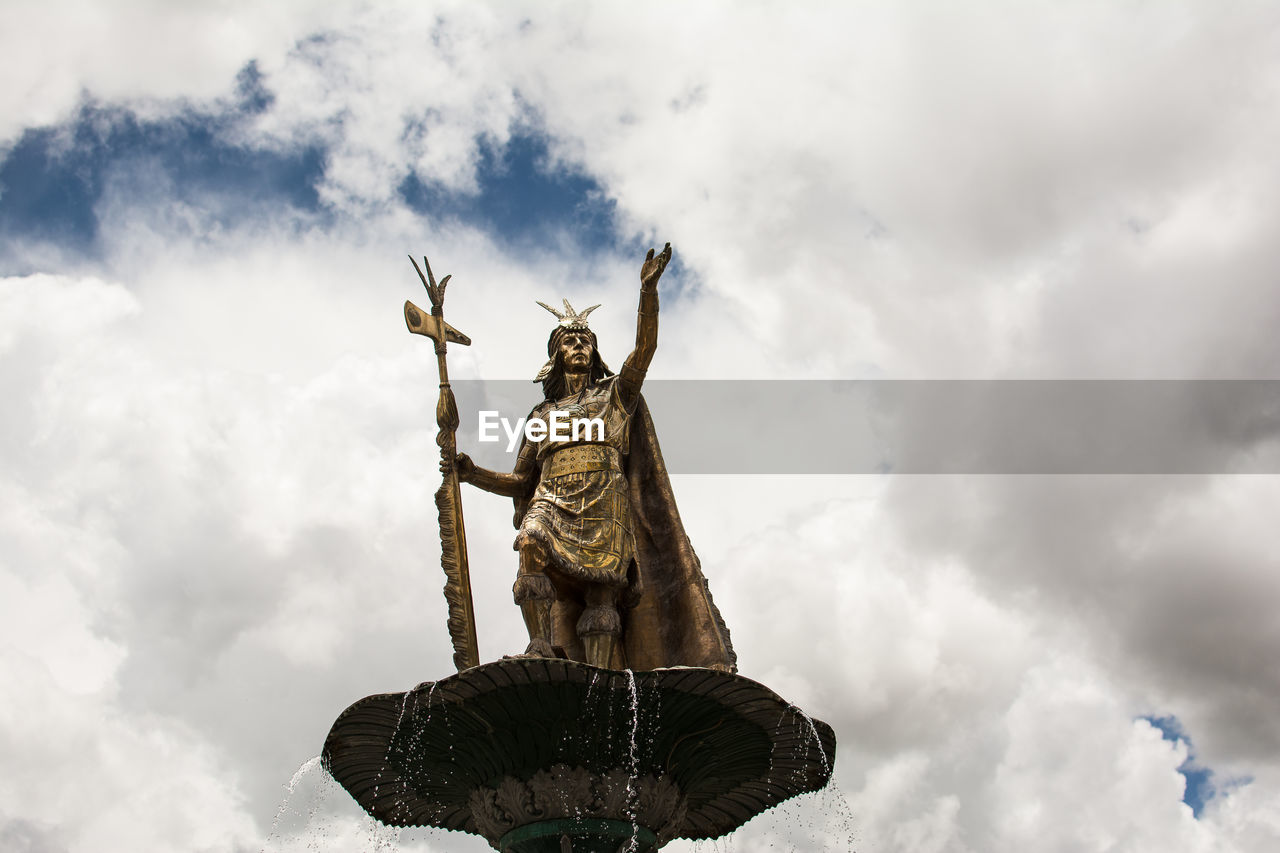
(552, 374)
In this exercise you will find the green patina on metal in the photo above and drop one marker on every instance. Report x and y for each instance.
(589, 836)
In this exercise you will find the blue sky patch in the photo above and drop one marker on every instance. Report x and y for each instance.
(522, 199)
(529, 202)
(53, 178)
(1200, 786)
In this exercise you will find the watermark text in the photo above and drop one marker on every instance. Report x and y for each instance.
(559, 426)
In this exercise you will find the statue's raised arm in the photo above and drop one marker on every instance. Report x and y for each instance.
(631, 377)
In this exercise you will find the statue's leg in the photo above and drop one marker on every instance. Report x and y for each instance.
(564, 621)
(600, 625)
(535, 594)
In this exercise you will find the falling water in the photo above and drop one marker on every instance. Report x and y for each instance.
(413, 743)
(431, 691)
(400, 719)
(823, 822)
(379, 837)
(590, 726)
(633, 697)
(318, 790)
(813, 732)
(404, 703)
(303, 769)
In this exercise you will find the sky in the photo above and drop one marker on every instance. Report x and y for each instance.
(217, 451)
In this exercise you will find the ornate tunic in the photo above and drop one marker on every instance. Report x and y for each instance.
(580, 510)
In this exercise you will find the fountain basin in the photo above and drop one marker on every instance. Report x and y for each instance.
(533, 753)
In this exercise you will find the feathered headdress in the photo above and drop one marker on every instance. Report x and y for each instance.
(569, 320)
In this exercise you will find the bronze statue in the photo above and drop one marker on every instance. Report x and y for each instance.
(607, 574)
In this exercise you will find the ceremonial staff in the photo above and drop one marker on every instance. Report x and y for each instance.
(453, 537)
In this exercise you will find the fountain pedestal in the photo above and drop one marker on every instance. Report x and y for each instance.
(552, 755)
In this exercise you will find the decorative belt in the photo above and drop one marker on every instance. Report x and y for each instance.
(581, 458)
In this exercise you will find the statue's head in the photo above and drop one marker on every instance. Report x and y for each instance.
(571, 348)
(576, 348)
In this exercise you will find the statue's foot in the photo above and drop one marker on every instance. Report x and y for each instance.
(539, 648)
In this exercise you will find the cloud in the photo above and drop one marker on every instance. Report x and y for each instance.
(218, 450)
(142, 52)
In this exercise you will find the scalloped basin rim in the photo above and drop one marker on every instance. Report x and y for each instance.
(733, 747)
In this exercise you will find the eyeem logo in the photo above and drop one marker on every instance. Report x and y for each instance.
(559, 427)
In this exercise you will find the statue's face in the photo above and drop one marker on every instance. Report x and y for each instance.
(575, 351)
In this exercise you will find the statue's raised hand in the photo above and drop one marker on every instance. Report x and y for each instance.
(653, 267)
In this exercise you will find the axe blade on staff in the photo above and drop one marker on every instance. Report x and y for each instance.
(453, 536)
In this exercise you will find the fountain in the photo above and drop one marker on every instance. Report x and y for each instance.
(624, 725)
